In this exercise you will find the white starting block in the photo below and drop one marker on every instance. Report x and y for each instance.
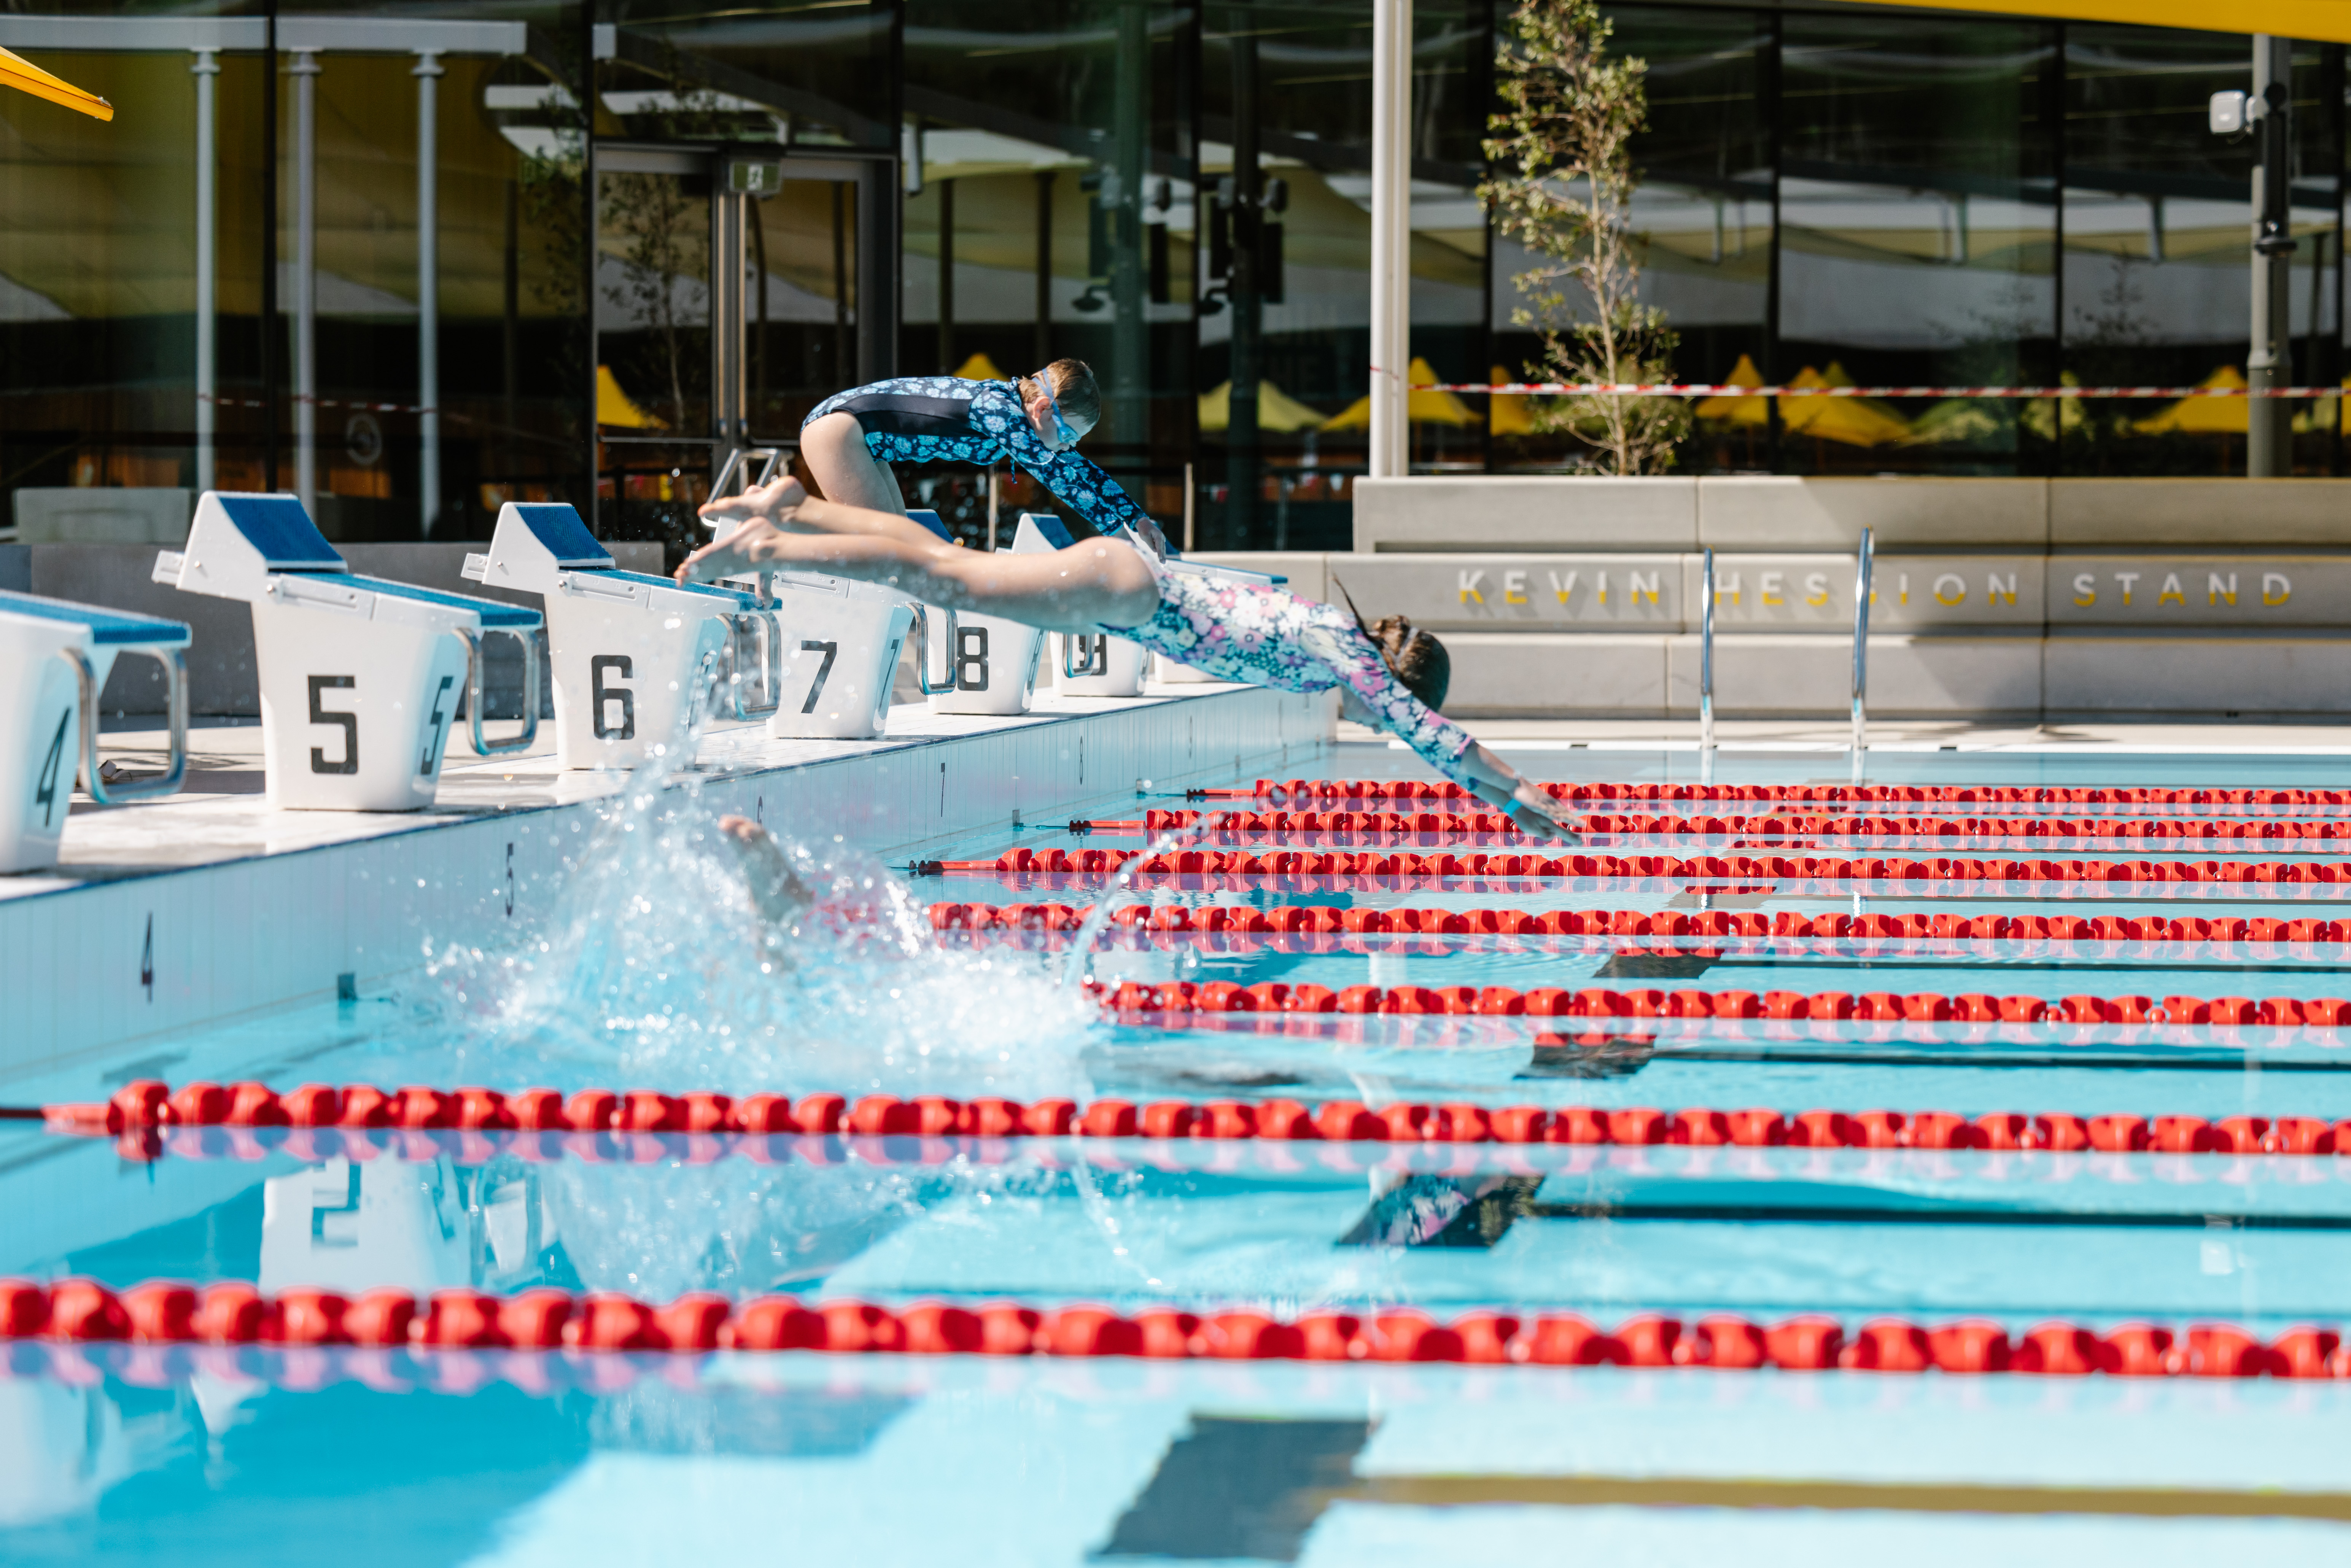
(840, 641)
(54, 657)
(1166, 670)
(985, 664)
(1094, 665)
(630, 654)
(359, 676)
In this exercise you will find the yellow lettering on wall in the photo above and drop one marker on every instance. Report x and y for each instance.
(1470, 593)
(1995, 590)
(1603, 587)
(1638, 588)
(2214, 590)
(2126, 579)
(2277, 588)
(1726, 583)
(1771, 585)
(1905, 585)
(1514, 588)
(2086, 590)
(1950, 588)
(1562, 590)
(2172, 592)
(1816, 588)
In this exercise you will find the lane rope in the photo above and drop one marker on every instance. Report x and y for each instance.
(2249, 801)
(1306, 870)
(1463, 824)
(79, 1314)
(150, 1105)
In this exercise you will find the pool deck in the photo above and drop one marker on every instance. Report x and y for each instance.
(209, 904)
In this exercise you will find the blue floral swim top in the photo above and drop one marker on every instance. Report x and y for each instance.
(946, 419)
(1246, 631)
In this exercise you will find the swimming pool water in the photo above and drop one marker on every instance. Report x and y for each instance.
(256, 1454)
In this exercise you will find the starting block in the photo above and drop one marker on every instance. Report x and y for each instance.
(359, 676)
(54, 657)
(1091, 665)
(630, 654)
(987, 665)
(839, 641)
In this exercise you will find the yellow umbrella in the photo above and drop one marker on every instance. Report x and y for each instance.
(1276, 409)
(614, 407)
(1428, 406)
(980, 368)
(1736, 410)
(1507, 413)
(22, 74)
(1956, 420)
(1848, 421)
(2202, 416)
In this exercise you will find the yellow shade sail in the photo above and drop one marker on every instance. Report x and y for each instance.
(1848, 421)
(1729, 410)
(615, 407)
(1276, 409)
(2321, 21)
(2202, 416)
(22, 74)
(980, 368)
(1507, 413)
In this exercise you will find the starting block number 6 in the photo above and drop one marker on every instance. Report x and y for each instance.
(600, 696)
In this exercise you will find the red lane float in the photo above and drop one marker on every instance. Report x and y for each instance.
(1306, 868)
(1232, 929)
(151, 1105)
(1385, 825)
(2247, 801)
(167, 1312)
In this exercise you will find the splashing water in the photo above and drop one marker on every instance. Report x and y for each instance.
(655, 965)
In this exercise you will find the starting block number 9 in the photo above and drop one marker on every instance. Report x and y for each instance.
(599, 695)
(971, 658)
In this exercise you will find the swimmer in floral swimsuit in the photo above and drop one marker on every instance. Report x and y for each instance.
(1387, 675)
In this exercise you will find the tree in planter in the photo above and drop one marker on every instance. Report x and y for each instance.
(1563, 187)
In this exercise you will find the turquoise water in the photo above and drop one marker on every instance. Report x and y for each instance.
(653, 975)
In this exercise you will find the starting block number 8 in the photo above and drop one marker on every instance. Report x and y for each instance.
(971, 659)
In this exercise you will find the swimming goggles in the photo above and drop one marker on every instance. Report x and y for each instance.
(1067, 437)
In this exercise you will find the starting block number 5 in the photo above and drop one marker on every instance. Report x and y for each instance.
(436, 728)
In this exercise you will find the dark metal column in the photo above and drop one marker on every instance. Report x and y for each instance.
(2269, 363)
(1241, 456)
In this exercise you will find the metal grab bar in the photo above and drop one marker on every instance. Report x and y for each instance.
(175, 702)
(923, 651)
(741, 625)
(1097, 647)
(1705, 655)
(1861, 648)
(483, 746)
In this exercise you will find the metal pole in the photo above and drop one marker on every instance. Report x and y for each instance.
(428, 287)
(1706, 656)
(2268, 442)
(1391, 232)
(207, 68)
(1861, 651)
(305, 71)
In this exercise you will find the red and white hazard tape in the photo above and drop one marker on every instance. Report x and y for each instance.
(83, 1313)
(154, 1105)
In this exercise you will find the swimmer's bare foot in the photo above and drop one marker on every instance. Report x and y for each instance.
(744, 522)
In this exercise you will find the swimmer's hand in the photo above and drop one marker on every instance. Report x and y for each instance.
(1538, 815)
(776, 894)
(744, 522)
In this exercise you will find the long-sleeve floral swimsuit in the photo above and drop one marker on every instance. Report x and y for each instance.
(1242, 631)
(946, 419)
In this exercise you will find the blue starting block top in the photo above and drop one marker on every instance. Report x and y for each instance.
(107, 628)
(281, 531)
(556, 526)
(933, 521)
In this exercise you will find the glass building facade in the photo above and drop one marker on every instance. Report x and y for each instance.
(660, 232)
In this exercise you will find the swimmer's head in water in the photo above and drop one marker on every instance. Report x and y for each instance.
(1074, 400)
(1418, 660)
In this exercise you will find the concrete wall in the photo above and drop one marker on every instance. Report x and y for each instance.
(220, 660)
(1993, 598)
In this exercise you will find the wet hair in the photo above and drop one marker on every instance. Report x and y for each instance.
(1418, 661)
(1075, 389)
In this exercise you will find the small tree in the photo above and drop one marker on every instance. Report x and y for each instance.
(1563, 188)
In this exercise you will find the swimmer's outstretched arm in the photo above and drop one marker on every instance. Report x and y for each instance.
(785, 503)
(1091, 584)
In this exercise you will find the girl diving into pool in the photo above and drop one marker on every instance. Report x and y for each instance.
(1388, 676)
(850, 439)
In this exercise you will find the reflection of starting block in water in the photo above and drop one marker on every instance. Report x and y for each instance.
(1099, 665)
(359, 677)
(627, 651)
(53, 660)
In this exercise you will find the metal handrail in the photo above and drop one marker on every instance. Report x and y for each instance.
(1706, 654)
(923, 651)
(1861, 592)
(741, 625)
(1097, 647)
(175, 701)
(472, 638)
